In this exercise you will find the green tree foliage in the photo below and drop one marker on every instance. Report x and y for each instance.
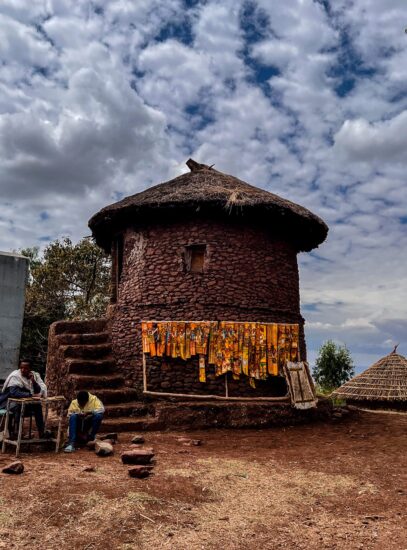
(333, 367)
(68, 281)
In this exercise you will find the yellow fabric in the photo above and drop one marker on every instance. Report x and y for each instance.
(257, 350)
(262, 351)
(202, 371)
(94, 404)
(144, 334)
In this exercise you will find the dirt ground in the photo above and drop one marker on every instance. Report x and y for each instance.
(330, 485)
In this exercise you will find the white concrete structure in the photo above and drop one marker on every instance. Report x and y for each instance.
(13, 278)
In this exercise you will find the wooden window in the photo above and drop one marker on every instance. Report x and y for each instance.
(195, 258)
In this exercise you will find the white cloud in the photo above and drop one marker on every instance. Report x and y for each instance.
(98, 98)
(375, 142)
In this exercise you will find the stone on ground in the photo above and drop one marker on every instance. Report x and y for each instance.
(189, 441)
(137, 456)
(102, 448)
(111, 441)
(138, 439)
(141, 448)
(16, 467)
(89, 468)
(140, 472)
(113, 436)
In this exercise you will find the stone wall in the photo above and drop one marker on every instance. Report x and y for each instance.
(249, 275)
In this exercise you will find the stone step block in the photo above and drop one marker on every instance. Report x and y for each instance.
(84, 339)
(121, 395)
(97, 351)
(125, 424)
(80, 327)
(91, 366)
(132, 409)
(107, 381)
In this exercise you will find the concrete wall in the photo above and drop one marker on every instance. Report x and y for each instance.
(13, 278)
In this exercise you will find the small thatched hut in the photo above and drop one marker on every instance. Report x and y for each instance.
(383, 385)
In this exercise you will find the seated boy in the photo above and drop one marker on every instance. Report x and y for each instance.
(85, 417)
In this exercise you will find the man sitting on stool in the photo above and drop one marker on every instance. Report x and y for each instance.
(21, 383)
(85, 417)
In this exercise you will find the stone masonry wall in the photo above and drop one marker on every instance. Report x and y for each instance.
(248, 275)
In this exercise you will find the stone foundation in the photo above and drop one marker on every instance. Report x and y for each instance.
(193, 415)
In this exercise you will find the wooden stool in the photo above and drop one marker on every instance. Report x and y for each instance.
(58, 402)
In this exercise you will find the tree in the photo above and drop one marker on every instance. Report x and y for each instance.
(67, 282)
(333, 366)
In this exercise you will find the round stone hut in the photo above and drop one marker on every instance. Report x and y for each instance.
(203, 246)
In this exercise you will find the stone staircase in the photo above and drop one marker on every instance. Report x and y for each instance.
(80, 358)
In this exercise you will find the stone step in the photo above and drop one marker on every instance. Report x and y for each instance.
(129, 410)
(80, 327)
(108, 381)
(91, 367)
(91, 338)
(108, 396)
(124, 424)
(98, 351)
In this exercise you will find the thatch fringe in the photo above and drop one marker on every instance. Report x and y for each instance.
(386, 380)
(205, 189)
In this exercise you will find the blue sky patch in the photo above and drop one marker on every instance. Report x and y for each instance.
(178, 30)
(349, 68)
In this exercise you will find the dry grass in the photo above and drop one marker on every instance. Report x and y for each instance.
(265, 489)
(242, 498)
(235, 497)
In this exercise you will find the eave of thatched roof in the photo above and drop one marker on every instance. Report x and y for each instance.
(386, 380)
(208, 192)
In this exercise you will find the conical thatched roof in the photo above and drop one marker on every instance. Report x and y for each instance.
(386, 380)
(207, 192)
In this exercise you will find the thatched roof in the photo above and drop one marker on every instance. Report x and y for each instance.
(207, 192)
(386, 380)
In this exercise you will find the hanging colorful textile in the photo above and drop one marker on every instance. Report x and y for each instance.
(257, 350)
(287, 344)
(262, 351)
(148, 337)
(162, 336)
(272, 345)
(202, 369)
(245, 348)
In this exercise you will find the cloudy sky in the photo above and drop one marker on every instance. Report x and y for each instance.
(101, 99)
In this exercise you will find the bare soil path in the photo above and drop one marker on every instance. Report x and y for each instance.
(329, 485)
